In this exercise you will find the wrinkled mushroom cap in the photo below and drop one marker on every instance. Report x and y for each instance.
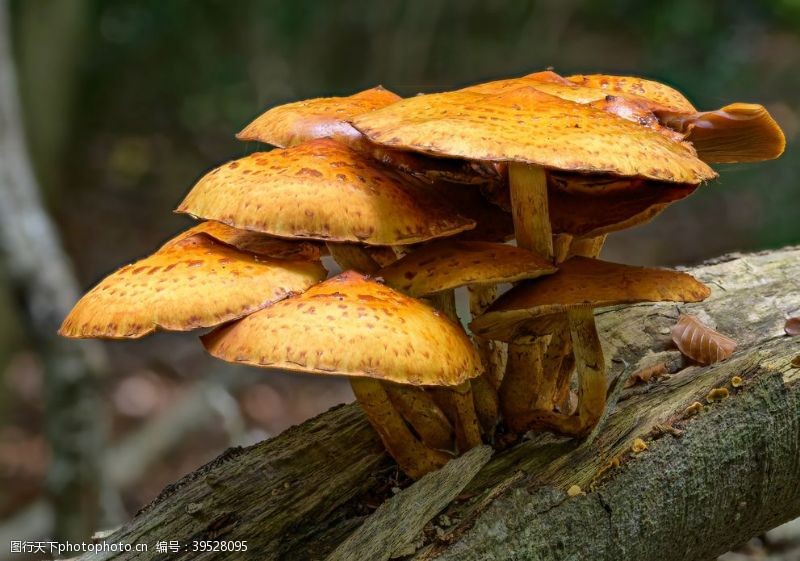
(529, 126)
(323, 117)
(351, 326)
(322, 190)
(535, 307)
(192, 283)
(446, 264)
(256, 242)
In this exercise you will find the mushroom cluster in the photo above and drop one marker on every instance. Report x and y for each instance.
(513, 182)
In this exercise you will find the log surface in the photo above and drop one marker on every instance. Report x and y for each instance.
(711, 477)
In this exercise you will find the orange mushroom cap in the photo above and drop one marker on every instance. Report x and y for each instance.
(446, 264)
(657, 96)
(526, 125)
(188, 284)
(322, 117)
(740, 132)
(656, 92)
(350, 325)
(322, 190)
(536, 307)
(256, 242)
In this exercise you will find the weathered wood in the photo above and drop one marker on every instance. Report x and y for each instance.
(400, 519)
(707, 481)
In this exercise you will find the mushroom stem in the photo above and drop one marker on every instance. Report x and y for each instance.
(588, 351)
(422, 414)
(493, 358)
(592, 384)
(529, 208)
(524, 371)
(419, 409)
(564, 365)
(561, 246)
(492, 352)
(353, 257)
(457, 402)
(413, 457)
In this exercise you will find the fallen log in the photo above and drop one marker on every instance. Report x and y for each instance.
(721, 463)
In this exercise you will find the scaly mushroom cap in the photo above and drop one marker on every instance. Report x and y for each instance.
(256, 242)
(526, 125)
(192, 283)
(446, 264)
(536, 307)
(667, 97)
(322, 190)
(323, 117)
(572, 91)
(351, 326)
(740, 132)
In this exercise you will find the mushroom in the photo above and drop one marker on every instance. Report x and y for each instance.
(324, 117)
(190, 283)
(739, 132)
(325, 190)
(539, 307)
(438, 268)
(352, 326)
(328, 117)
(322, 190)
(533, 132)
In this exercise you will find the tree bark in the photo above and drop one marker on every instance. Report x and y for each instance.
(712, 476)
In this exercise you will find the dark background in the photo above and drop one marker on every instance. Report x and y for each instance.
(127, 103)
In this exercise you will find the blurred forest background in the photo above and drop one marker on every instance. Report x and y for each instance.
(125, 103)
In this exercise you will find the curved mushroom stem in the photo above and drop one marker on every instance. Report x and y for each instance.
(421, 413)
(529, 207)
(493, 358)
(493, 353)
(457, 402)
(419, 409)
(413, 457)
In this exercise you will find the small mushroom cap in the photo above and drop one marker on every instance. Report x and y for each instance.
(192, 283)
(350, 325)
(447, 264)
(322, 190)
(536, 307)
(667, 97)
(740, 132)
(256, 242)
(526, 125)
(323, 117)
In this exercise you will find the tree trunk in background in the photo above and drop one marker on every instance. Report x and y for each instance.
(713, 474)
(51, 38)
(41, 276)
